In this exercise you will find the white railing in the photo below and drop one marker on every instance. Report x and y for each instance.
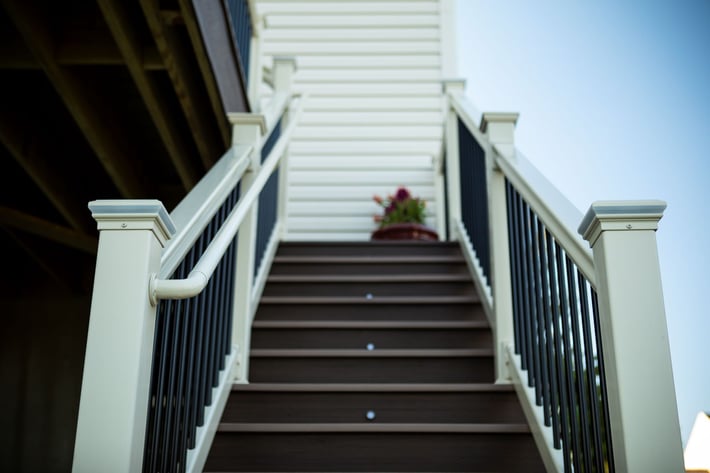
(148, 263)
(534, 251)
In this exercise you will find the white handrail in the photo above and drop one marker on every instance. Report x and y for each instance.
(554, 209)
(551, 206)
(202, 272)
(194, 212)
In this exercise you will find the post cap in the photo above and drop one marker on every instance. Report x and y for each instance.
(248, 119)
(498, 117)
(130, 214)
(620, 215)
(285, 61)
(454, 84)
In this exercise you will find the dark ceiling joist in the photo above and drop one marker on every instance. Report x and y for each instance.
(186, 84)
(25, 151)
(78, 48)
(49, 230)
(193, 30)
(155, 101)
(100, 134)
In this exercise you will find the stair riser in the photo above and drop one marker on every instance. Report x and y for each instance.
(414, 312)
(369, 268)
(373, 452)
(389, 407)
(375, 290)
(369, 249)
(372, 370)
(381, 339)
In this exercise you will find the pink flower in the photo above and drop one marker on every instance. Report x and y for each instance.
(402, 194)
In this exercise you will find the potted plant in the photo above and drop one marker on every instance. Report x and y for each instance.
(403, 218)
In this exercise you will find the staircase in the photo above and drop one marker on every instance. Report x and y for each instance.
(372, 357)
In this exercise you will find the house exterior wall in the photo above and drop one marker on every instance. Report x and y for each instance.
(373, 119)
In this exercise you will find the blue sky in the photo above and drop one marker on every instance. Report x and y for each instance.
(614, 102)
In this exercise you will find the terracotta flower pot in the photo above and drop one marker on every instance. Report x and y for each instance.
(405, 231)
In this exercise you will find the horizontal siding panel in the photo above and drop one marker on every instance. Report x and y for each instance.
(357, 162)
(372, 104)
(318, 236)
(360, 192)
(367, 132)
(345, 224)
(345, 7)
(351, 21)
(360, 34)
(372, 118)
(363, 61)
(360, 208)
(346, 178)
(373, 147)
(326, 47)
(372, 90)
(368, 75)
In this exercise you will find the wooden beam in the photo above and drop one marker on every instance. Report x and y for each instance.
(97, 47)
(76, 49)
(193, 30)
(101, 135)
(154, 98)
(35, 164)
(185, 83)
(48, 230)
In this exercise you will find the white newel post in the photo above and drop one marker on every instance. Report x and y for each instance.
(255, 67)
(247, 129)
(642, 401)
(453, 181)
(116, 380)
(500, 130)
(284, 71)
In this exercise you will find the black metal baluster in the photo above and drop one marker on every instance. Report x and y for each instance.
(527, 324)
(569, 358)
(532, 315)
(514, 270)
(602, 380)
(200, 349)
(474, 196)
(582, 401)
(188, 437)
(543, 329)
(176, 321)
(558, 316)
(591, 378)
(206, 374)
(551, 334)
(542, 380)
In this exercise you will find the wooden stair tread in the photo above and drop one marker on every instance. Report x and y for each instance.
(363, 353)
(374, 387)
(313, 381)
(369, 324)
(379, 278)
(374, 300)
(375, 427)
(361, 260)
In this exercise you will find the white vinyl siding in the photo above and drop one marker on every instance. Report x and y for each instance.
(373, 122)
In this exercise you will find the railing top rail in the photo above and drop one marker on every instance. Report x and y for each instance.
(558, 214)
(201, 273)
(194, 212)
